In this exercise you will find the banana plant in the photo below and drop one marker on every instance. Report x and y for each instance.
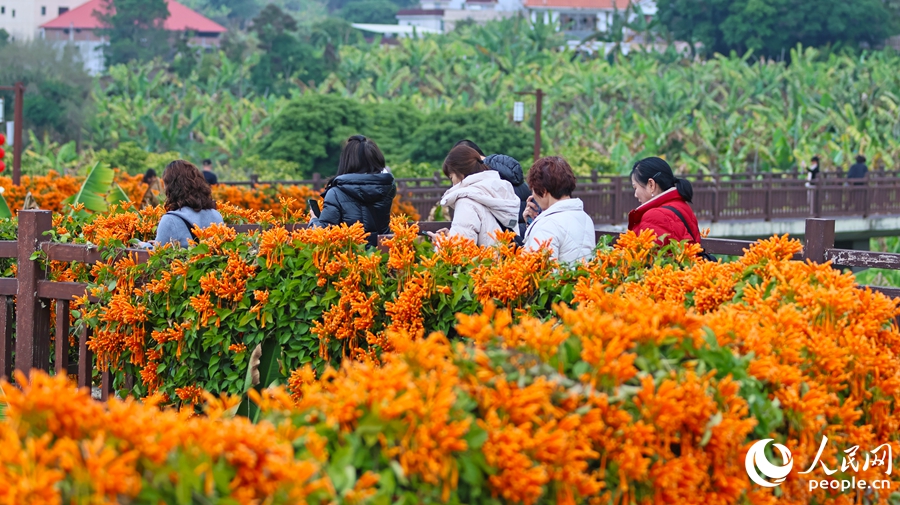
(98, 190)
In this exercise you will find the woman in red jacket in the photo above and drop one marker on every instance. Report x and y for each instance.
(664, 201)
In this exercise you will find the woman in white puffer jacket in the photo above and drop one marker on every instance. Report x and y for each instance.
(482, 202)
(562, 224)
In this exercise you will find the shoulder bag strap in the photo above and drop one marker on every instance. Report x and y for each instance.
(683, 221)
(190, 226)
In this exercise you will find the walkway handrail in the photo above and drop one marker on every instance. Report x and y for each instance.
(33, 292)
(763, 197)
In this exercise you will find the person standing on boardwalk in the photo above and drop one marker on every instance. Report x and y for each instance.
(208, 174)
(858, 173)
(153, 188)
(812, 174)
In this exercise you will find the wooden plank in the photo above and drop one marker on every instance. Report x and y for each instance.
(32, 315)
(867, 259)
(85, 359)
(726, 246)
(84, 253)
(6, 334)
(245, 228)
(9, 249)
(8, 286)
(62, 337)
(60, 290)
(87, 253)
(891, 292)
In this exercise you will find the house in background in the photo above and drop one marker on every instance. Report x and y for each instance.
(22, 19)
(581, 18)
(578, 18)
(79, 26)
(443, 15)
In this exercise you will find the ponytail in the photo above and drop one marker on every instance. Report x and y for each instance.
(685, 189)
(660, 171)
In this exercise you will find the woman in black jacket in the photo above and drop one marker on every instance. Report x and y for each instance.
(361, 192)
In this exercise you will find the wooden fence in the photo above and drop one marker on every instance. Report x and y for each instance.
(25, 300)
(609, 198)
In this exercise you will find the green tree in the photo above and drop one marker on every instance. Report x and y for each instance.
(772, 27)
(392, 126)
(4, 37)
(370, 11)
(284, 55)
(492, 132)
(311, 131)
(58, 93)
(135, 30)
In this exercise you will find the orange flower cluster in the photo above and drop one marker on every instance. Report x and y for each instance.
(287, 201)
(60, 446)
(514, 276)
(413, 392)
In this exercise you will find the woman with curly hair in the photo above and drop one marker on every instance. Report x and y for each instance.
(189, 203)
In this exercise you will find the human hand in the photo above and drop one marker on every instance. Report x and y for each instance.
(441, 232)
(532, 209)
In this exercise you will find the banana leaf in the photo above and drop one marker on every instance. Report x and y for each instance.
(5, 213)
(117, 195)
(94, 189)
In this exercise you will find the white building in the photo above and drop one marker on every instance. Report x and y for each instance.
(443, 15)
(581, 18)
(22, 19)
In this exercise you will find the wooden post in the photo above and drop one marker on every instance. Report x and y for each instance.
(614, 200)
(715, 204)
(539, 94)
(18, 141)
(62, 337)
(32, 315)
(768, 205)
(85, 360)
(6, 333)
(819, 237)
(317, 181)
(254, 180)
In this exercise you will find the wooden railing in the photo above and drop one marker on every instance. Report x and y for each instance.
(609, 198)
(34, 293)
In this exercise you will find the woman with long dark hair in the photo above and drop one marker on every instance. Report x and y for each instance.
(362, 192)
(665, 202)
(189, 203)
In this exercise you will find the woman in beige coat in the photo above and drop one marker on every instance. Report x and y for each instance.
(482, 202)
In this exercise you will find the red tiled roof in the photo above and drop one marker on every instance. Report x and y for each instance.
(577, 4)
(181, 19)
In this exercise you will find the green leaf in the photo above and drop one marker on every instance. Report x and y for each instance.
(5, 213)
(117, 195)
(269, 373)
(98, 182)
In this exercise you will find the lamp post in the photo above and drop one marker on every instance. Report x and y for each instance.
(19, 89)
(519, 115)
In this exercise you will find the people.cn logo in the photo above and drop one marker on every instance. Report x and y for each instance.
(756, 460)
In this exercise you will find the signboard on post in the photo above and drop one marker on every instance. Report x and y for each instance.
(10, 132)
(1, 111)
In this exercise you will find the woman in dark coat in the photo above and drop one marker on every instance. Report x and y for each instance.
(362, 191)
(665, 202)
